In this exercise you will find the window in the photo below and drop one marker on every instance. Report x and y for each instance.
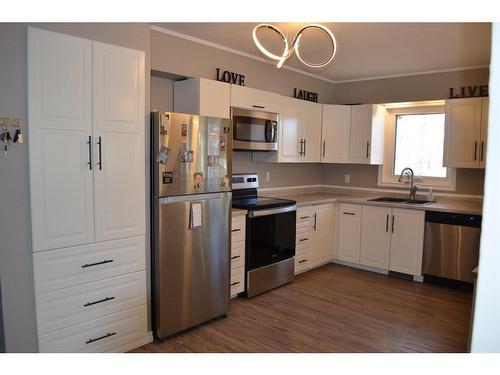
(415, 138)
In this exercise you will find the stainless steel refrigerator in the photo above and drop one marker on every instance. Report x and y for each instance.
(191, 216)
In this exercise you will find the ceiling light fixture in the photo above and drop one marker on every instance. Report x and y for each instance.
(295, 45)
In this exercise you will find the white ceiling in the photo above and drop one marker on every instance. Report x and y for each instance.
(364, 50)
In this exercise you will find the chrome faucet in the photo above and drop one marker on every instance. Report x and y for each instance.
(408, 172)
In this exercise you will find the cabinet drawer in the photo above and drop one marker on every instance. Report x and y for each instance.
(237, 254)
(100, 335)
(302, 262)
(237, 281)
(238, 228)
(303, 237)
(304, 218)
(66, 307)
(62, 268)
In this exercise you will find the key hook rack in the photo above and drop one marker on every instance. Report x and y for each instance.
(5, 136)
(10, 122)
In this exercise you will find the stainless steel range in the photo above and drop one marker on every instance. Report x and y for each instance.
(270, 236)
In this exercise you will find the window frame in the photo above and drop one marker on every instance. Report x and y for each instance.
(385, 171)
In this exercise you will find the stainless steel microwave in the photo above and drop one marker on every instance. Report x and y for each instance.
(254, 130)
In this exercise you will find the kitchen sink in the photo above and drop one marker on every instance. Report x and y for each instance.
(400, 200)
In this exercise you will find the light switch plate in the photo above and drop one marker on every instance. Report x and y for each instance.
(268, 176)
(347, 178)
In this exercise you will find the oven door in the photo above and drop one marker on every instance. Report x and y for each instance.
(270, 236)
(256, 131)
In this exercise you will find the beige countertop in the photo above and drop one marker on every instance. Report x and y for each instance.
(448, 204)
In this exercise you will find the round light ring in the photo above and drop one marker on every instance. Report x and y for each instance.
(296, 45)
(281, 59)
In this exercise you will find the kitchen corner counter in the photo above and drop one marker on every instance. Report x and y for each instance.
(238, 212)
(448, 204)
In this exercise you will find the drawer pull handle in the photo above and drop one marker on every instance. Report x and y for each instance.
(303, 260)
(235, 257)
(258, 106)
(303, 239)
(98, 263)
(100, 301)
(304, 217)
(349, 213)
(235, 283)
(235, 230)
(89, 341)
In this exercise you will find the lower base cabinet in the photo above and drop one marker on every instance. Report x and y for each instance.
(314, 236)
(385, 238)
(237, 279)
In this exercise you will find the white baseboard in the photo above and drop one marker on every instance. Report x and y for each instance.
(361, 267)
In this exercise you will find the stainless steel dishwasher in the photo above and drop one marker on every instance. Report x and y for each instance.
(451, 246)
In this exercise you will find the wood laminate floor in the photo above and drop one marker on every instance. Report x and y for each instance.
(336, 309)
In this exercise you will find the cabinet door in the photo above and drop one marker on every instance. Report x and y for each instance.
(407, 241)
(375, 236)
(60, 124)
(290, 132)
(336, 125)
(310, 130)
(349, 232)
(322, 234)
(462, 133)
(215, 98)
(361, 128)
(247, 97)
(119, 118)
(484, 131)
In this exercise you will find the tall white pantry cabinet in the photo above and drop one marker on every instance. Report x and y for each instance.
(87, 186)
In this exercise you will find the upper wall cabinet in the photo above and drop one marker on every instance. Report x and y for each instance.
(299, 133)
(466, 124)
(335, 131)
(366, 144)
(257, 100)
(204, 97)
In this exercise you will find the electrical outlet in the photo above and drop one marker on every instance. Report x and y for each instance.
(268, 176)
(347, 178)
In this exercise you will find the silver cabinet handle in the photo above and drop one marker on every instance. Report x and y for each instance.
(387, 223)
(482, 150)
(89, 341)
(392, 229)
(367, 149)
(258, 106)
(235, 230)
(315, 221)
(235, 283)
(349, 213)
(475, 150)
(304, 147)
(324, 148)
(303, 239)
(304, 217)
(303, 260)
(99, 301)
(235, 257)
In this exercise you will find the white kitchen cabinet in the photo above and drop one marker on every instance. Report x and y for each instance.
(466, 123)
(299, 133)
(407, 241)
(335, 133)
(257, 100)
(322, 234)
(367, 134)
(204, 97)
(303, 240)
(375, 236)
(87, 185)
(349, 241)
(60, 127)
(238, 234)
(118, 121)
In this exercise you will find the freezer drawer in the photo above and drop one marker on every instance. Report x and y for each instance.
(192, 266)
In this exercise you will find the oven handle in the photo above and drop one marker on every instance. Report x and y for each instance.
(272, 211)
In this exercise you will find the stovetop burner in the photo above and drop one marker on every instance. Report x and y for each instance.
(259, 203)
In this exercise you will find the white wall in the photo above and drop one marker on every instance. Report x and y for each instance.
(486, 325)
